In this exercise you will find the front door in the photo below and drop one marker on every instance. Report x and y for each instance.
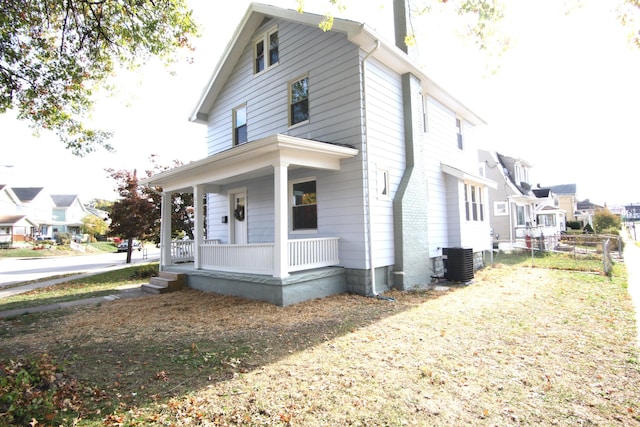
(239, 217)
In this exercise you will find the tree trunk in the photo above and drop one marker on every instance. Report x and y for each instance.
(129, 249)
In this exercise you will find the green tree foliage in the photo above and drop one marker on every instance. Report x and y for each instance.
(55, 53)
(101, 204)
(479, 19)
(606, 221)
(94, 226)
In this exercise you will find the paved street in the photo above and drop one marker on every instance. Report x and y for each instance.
(16, 270)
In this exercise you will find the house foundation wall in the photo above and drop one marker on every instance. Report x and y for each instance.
(296, 288)
(359, 281)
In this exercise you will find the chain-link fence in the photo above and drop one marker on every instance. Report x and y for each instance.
(583, 252)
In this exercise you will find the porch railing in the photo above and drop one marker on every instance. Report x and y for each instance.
(305, 254)
(257, 258)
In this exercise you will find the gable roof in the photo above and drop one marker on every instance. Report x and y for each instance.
(508, 164)
(11, 220)
(63, 200)
(27, 194)
(563, 189)
(358, 33)
(586, 205)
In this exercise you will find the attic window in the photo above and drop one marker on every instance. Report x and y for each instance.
(266, 53)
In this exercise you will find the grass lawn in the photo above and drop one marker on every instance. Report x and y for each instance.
(58, 250)
(518, 346)
(96, 285)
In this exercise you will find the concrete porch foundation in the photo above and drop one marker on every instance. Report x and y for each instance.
(298, 287)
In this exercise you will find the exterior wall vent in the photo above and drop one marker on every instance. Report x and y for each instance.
(458, 264)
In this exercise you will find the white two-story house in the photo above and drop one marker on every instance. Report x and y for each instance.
(335, 164)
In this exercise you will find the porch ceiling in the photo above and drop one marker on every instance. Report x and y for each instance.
(250, 160)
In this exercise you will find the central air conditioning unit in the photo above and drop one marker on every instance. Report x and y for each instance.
(458, 264)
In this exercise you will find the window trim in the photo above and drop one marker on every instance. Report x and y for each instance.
(521, 208)
(290, 101)
(474, 202)
(234, 116)
(500, 208)
(292, 205)
(265, 39)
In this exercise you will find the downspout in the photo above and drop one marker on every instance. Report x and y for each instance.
(365, 154)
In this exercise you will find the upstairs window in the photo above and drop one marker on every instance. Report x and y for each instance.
(240, 125)
(266, 53)
(304, 213)
(459, 132)
(299, 101)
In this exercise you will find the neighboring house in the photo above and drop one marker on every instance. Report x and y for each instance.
(632, 212)
(519, 214)
(31, 212)
(14, 228)
(551, 219)
(67, 214)
(566, 199)
(334, 165)
(37, 205)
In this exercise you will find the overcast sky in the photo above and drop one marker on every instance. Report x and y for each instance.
(564, 97)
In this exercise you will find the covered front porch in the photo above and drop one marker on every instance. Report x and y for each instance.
(224, 252)
(301, 254)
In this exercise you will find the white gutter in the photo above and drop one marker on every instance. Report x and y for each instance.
(365, 154)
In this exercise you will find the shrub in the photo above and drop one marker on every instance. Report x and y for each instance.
(144, 271)
(604, 219)
(574, 225)
(63, 238)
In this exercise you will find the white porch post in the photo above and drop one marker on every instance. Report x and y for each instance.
(198, 224)
(165, 230)
(280, 253)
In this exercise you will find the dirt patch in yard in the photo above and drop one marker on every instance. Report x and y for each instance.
(519, 346)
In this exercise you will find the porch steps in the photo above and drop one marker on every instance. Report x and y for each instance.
(165, 282)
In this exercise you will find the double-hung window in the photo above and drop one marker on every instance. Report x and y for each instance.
(520, 215)
(304, 211)
(474, 206)
(266, 51)
(299, 101)
(240, 125)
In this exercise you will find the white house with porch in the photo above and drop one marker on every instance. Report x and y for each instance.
(334, 165)
(521, 216)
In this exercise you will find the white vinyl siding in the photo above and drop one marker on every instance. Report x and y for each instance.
(335, 117)
(385, 133)
(334, 102)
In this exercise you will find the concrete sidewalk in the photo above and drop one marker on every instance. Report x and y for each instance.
(127, 291)
(632, 262)
(130, 291)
